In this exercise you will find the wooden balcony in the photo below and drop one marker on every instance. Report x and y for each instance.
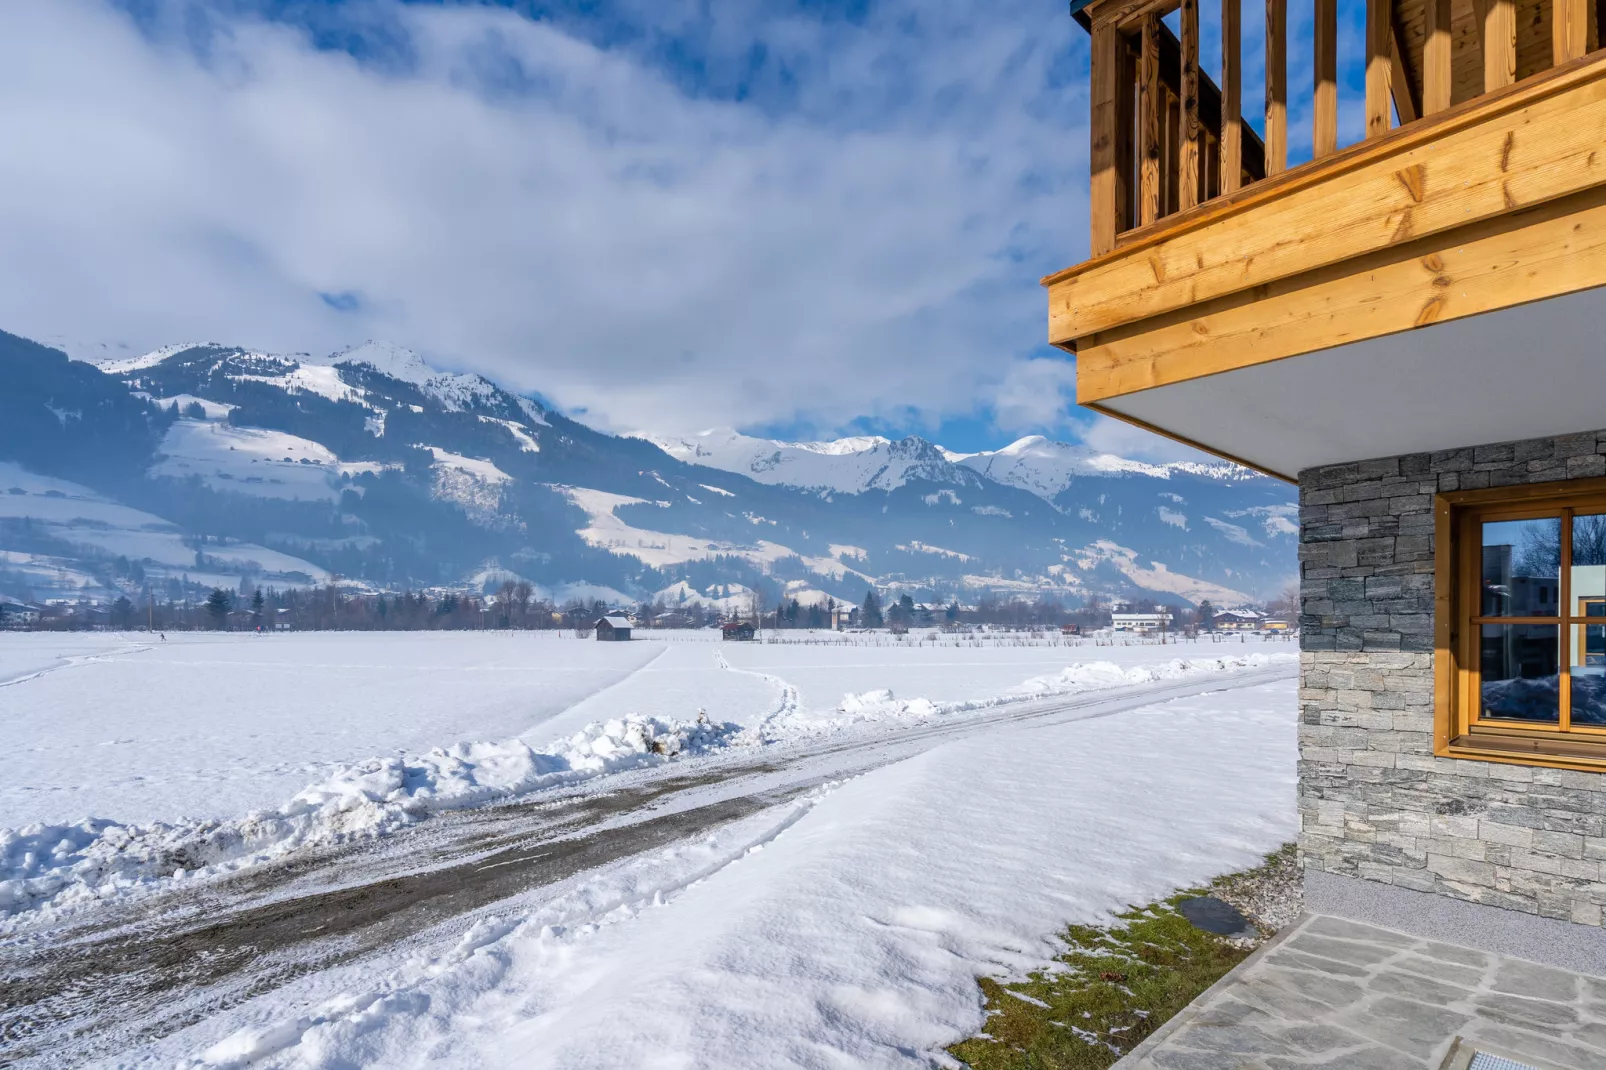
(1479, 186)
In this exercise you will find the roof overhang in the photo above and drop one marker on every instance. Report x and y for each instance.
(1531, 371)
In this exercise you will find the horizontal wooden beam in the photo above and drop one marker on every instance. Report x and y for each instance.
(1555, 248)
(1530, 143)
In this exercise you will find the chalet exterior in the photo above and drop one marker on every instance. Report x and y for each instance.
(1237, 620)
(613, 629)
(1408, 328)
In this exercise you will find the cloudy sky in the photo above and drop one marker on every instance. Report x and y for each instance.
(794, 218)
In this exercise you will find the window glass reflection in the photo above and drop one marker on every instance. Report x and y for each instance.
(1522, 568)
(1588, 670)
(1587, 574)
(1521, 672)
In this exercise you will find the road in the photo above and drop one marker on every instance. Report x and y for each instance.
(108, 981)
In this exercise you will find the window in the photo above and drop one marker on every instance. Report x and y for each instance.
(1523, 651)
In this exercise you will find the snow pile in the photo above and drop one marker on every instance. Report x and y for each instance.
(1093, 675)
(881, 705)
(56, 866)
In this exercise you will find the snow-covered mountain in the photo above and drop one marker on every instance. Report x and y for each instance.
(1048, 468)
(842, 466)
(853, 465)
(371, 464)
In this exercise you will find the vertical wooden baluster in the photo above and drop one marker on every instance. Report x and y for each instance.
(1149, 105)
(1101, 188)
(1276, 87)
(1569, 29)
(1499, 44)
(1379, 65)
(1406, 92)
(1324, 124)
(1171, 139)
(1232, 134)
(1190, 180)
(1436, 72)
(1126, 122)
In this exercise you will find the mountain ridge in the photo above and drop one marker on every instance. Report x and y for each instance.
(371, 464)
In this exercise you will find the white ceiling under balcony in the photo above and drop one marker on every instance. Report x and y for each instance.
(1529, 371)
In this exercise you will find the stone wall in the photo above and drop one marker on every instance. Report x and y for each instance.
(1374, 801)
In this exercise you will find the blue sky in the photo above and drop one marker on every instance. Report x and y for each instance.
(794, 218)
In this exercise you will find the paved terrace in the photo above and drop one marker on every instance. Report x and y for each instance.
(1333, 993)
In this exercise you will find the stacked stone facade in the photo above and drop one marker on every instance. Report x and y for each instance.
(1374, 801)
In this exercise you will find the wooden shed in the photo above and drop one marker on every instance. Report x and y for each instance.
(613, 630)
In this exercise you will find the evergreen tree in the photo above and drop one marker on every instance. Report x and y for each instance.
(217, 607)
(257, 602)
(870, 612)
(1205, 614)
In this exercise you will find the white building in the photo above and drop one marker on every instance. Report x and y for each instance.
(1124, 620)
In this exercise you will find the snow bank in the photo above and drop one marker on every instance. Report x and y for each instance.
(882, 705)
(53, 866)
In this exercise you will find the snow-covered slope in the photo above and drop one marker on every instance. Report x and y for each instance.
(455, 391)
(1046, 468)
(78, 541)
(841, 466)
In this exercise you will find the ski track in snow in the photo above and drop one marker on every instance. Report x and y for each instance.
(69, 661)
(789, 696)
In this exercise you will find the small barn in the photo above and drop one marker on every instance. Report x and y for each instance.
(737, 630)
(613, 630)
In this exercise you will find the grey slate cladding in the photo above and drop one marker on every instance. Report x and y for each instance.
(1374, 800)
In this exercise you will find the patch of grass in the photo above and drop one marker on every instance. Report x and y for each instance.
(1116, 984)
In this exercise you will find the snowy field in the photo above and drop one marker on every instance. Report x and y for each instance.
(845, 927)
(211, 726)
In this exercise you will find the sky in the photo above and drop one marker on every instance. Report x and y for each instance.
(800, 219)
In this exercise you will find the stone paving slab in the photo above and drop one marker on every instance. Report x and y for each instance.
(1335, 993)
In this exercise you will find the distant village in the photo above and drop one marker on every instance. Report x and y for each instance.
(516, 606)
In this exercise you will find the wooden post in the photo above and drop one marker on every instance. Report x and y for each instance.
(1232, 133)
(1324, 123)
(1189, 179)
(1569, 29)
(1149, 105)
(1436, 74)
(1103, 224)
(1379, 65)
(1499, 44)
(1276, 87)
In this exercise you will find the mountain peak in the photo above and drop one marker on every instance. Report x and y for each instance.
(455, 390)
(396, 361)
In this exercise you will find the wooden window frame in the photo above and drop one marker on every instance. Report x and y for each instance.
(1459, 729)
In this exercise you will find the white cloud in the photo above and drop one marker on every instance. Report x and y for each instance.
(564, 217)
(1126, 440)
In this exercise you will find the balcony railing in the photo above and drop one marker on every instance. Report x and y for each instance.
(1166, 138)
